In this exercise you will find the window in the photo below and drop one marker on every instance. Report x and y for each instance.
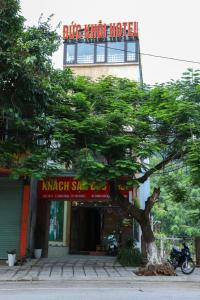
(131, 51)
(85, 53)
(115, 52)
(70, 54)
(100, 52)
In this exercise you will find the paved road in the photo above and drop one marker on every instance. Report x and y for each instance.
(99, 290)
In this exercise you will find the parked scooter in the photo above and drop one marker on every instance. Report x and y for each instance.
(111, 244)
(182, 258)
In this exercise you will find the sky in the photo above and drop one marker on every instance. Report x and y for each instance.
(166, 28)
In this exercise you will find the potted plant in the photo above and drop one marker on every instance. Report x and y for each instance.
(11, 257)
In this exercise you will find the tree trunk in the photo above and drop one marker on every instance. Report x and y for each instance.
(142, 216)
(152, 254)
(149, 239)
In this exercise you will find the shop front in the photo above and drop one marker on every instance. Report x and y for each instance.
(10, 215)
(74, 218)
(14, 216)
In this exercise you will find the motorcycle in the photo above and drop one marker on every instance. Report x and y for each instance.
(182, 258)
(112, 244)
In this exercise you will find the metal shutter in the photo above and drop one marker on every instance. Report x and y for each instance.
(10, 214)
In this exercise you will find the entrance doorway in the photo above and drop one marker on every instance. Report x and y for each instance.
(85, 229)
(74, 227)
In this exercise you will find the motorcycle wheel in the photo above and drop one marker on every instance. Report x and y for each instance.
(188, 267)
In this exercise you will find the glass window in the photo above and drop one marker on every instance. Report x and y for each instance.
(115, 52)
(100, 52)
(70, 54)
(85, 53)
(131, 51)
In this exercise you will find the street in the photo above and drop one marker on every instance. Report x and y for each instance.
(94, 290)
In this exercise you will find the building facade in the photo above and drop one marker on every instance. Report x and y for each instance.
(60, 216)
(70, 217)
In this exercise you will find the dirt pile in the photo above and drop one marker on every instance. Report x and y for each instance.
(165, 269)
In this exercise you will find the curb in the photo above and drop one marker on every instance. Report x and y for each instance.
(99, 279)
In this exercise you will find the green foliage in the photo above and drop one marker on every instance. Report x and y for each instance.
(178, 205)
(112, 126)
(28, 87)
(175, 188)
(104, 129)
(129, 255)
(193, 160)
(177, 219)
(9, 14)
(97, 126)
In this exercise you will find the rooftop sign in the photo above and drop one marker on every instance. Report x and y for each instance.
(100, 31)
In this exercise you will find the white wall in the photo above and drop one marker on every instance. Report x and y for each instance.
(130, 71)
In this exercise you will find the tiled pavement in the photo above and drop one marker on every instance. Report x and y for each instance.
(71, 267)
(77, 267)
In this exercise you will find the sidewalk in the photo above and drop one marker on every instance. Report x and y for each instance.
(78, 267)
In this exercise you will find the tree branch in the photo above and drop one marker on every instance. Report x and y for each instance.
(136, 213)
(159, 166)
(129, 210)
(151, 201)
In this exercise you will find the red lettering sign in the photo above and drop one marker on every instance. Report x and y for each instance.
(69, 188)
(100, 30)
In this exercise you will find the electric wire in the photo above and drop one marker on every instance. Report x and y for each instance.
(154, 55)
(146, 54)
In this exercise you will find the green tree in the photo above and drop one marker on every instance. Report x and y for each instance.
(107, 129)
(178, 207)
(27, 89)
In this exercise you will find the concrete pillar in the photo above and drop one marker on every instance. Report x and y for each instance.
(65, 224)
